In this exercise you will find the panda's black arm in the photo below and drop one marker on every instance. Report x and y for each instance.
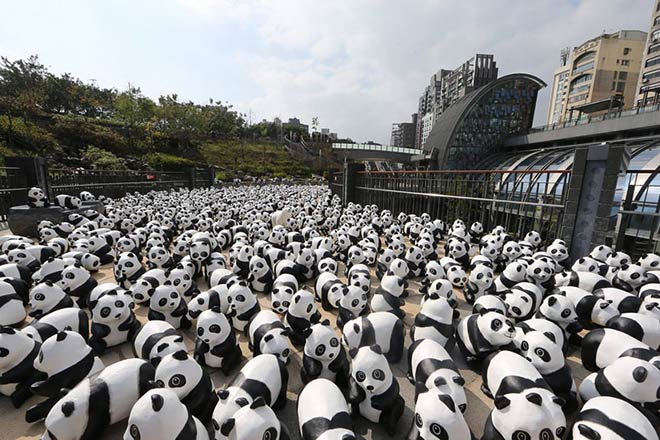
(181, 309)
(226, 346)
(355, 393)
(312, 367)
(385, 400)
(100, 330)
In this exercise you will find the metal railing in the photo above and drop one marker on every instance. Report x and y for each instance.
(13, 191)
(518, 200)
(373, 147)
(583, 120)
(638, 220)
(336, 182)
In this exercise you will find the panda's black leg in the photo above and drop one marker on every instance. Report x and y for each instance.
(21, 394)
(390, 417)
(40, 410)
(575, 339)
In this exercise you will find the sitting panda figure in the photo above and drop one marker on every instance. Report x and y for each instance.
(352, 304)
(540, 272)
(243, 305)
(329, 290)
(47, 297)
(36, 198)
(113, 321)
(360, 276)
(381, 328)
(324, 418)
(455, 272)
(17, 372)
(542, 350)
(267, 334)
(301, 315)
(13, 297)
(118, 387)
(283, 289)
(607, 417)
(145, 286)
(522, 301)
(515, 272)
(489, 303)
(324, 356)
(327, 264)
(434, 321)
(415, 260)
(65, 360)
(180, 373)
(480, 282)
(649, 261)
(383, 261)
(432, 271)
(158, 257)
(458, 250)
(241, 263)
(68, 202)
(78, 282)
(183, 281)
(389, 295)
(478, 335)
(373, 390)
(128, 269)
(216, 345)
(155, 340)
(159, 415)
(166, 304)
(261, 276)
(254, 421)
(558, 309)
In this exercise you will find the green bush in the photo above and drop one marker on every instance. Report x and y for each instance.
(167, 162)
(21, 135)
(101, 159)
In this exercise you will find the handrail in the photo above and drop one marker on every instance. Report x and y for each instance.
(468, 172)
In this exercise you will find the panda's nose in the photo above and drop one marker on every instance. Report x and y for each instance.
(370, 387)
(331, 355)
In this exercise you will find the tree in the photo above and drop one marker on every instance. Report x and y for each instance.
(134, 111)
(101, 159)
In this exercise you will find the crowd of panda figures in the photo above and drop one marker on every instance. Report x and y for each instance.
(300, 248)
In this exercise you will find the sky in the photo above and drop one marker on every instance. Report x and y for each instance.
(357, 65)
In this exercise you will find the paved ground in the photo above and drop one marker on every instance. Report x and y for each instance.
(13, 425)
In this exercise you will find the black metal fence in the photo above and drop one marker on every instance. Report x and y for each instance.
(13, 190)
(336, 182)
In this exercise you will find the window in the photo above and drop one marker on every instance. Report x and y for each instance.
(620, 87)
(625, 62)
(622, 76)
(583, 68)
(654, 49)
(651, 77)
(656, 21)
(626, 50)
(652, 62)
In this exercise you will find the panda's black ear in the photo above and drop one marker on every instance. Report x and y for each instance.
(242, 401)
(625, 267)
(68, 408)
(534, 398)
(61, 336)
(227, 427)
(552, 301)
(258, 403)
(483, 311)
(92, 304)
(588, 432)
(223, 394)
(558, 400)
(353, 352)
(458, 380)
(325, 322)
(550, 336)
(296, 299)
(180, 355)
(307, 332)
(439, 381)
(502, 402)
(48, 283)
(640, 374)
(268, 338)
(7, 330)
(444, 398)
(376, 349)
(157, 402)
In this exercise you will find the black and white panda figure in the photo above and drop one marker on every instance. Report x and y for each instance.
(383, 261)
(183, 281)
(360, 276)
(128, 269)
(263, 376)
(243, 305)
(620, 300)
(17, 372)
(541, 273)
(388, 297)
(327, 418)
(601, 347)
(64, 319)
(588, 281)
(329, 290)
(432, 271)
(13, 270)
(352, 304)
(254, 421)
(64, 360)
(381, 328)
(591, 310)
(78, 282)
(50, 270)
(642, 327)
(216, 343)
(416, 261)
(489, 303)
(631, 278)
(615, 261)
(454, 271)
(480, 282)
(328, 264)
(459, 250)
(68, 202)
(559, 252)
(514, 272)
(159, 415)
(478, 335)
(301, 315)
(441, 289)
(261, 276)
(47, 297)
(434, 321)
(476, 231)
(436, 416)
(588, 264)
(506, 372)
(398, 267)
(36, 198)
(373, 389)
(282, 292)
(98, 402)
(634, 380)
(432, 368)
(611, 418)
(560, 310)
(267, 334)
(13, 298)
(649, 261)
(324, 356)
(542, 350)
(158, 257)
(180, 373)
(166, 304)
(522, 301)
(155, 340)
(145, 286)
(113, 321)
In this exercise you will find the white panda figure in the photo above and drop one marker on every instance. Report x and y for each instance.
(301, 315)
(50, 270)
(398, 267)
(159, 415)
(263, 376)
(642, 327)
(650, 261)
(506, 372)
(415, 260)
(64, 359)
(77, 281)
(155, 340)
(100, 401)
(591, 310)
(327, 264)
(588, 281)
(13, 297)
(254, 421)
(13, 270)
(441, 289)
(432, 368)
(630, 278)
(607, 417)
(490, 303)
(18, 352)
(113, 321)
(523, 300)
(64, 319)
(243, 305)
(373, 389)
(180, 373)
(388, 297)
(329, 290)
(284, 287)
(47, 297)
(559, 252)
(352, 304)
(480, 282)
(267, 334)
(459, 250)
(432, 271)
(359, 275)
(542, 350)
(67, 202)
(436, 416)
(145, 286)
(183, 281)
(601, 347)
(166, 304)
(478, 335)
(381, 328)
(454, 271)
(542, 325)
(385, 257)
(36, 198)
(216, 345)
(515, 272)
(158, 257)
(560, 310)
(327, 418)
(620, 300)
(434, 321)
(324, 356)
(541, 273)
(261, 276)
(128, 269)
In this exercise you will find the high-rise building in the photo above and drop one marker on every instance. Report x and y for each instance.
(599, 75)
(403, 133)
(648, 87)
(448, 86)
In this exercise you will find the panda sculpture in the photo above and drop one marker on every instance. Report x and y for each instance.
(478, 335)
(436, 416)
(522, 301)
(183, 281)
(95, 403)
(78, 282)
(64, 360)
(515, 272)
(113, 321)
(267, 334)
(642, 327)
(373, 389)
(590, 309)
(36, 198)
(301, 315)
(64, 319)
(329, 290)
(243, 305)
(166, 304)
(601, 347)
(67, 202)
(214, 297)
(158, 257)
(282, 292)
(415, 260)
(455, 272)
(432, 271)
(18, 353)
(128, 269)
(489, 303)
(560, 310)
(145, 286)
(180, 373)
(155, 340)
(434, 321)
(13, 297)
(324, 356)
(611, 418)
(46, 298)
(159, 415)
(254, 421)
(584, 280)
(381, 328)
(327, 418)
(631, 277)
(389, 295)
(216, 345)
(50, 270)
(353, 303)
(261, 276)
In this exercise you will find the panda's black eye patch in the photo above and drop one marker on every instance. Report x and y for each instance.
(360, 376)
(215, 328)
(105, 312)
(162, 302)
(496, 324)
(177, 381)
(565, 313)
(524, 346)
